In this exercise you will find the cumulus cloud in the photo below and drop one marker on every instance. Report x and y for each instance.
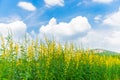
(101, 39)
(18, 29)
(79, 31)
(50, 3)
(112, 19)
(95, 39)
(27, 6)
(105, 38)
(103, 1)
(114, 38)
(77, 27)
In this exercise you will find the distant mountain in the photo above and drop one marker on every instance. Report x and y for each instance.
(103, 51)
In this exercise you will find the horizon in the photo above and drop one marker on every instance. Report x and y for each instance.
(94, 23)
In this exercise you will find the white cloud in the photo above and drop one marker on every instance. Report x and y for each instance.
(77, 27)
(27, 6)
(50, 3)
(83, 2)
(100, 39)
(95, 39)
(113, 19)
(114, 38)
(106, 37)
(103, 1)
(18, 29)
(10, 19)
(98, 18)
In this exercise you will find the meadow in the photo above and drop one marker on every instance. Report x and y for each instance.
(48, 60)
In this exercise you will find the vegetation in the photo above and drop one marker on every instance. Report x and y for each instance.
(48, 60)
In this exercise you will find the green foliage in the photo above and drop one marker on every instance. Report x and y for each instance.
(50, 61)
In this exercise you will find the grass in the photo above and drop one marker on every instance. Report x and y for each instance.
(37, 60)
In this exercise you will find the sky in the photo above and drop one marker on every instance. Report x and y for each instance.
(92, 23)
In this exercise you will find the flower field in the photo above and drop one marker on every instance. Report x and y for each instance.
(49, 60)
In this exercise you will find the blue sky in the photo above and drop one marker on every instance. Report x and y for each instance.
(94, 23)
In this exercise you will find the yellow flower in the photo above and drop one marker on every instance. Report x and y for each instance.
(16, 48)
(18, 62)
(67, 59)
(2, 42)
(91, 59)
(30, 51)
